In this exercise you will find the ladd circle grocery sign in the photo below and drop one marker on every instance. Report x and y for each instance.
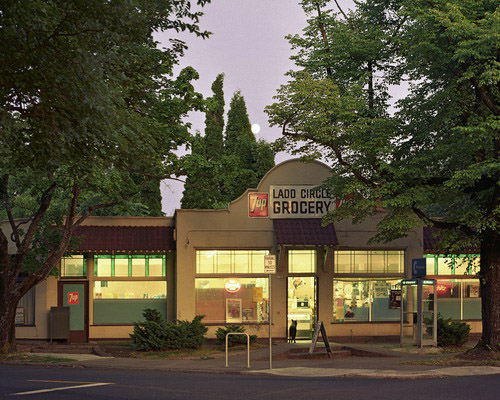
(291, 201)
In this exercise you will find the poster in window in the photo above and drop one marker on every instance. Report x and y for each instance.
(233, 311)
(19, 315)
(395, 299)
(381, 289)
(248, 314)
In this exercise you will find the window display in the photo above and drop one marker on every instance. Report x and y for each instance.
(364, 300)
(232, 300)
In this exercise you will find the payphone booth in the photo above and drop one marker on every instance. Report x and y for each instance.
(418, 324)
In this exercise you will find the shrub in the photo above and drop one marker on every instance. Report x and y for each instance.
(155, 334)
(451, 333)
(221, 333)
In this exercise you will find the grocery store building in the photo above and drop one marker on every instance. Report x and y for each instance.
(211, 263)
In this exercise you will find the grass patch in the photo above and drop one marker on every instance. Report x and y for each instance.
(455, 362)
(28, 357)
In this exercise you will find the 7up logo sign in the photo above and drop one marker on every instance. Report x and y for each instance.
(258, 205)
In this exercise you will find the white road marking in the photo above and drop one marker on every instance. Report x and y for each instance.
(60, 388)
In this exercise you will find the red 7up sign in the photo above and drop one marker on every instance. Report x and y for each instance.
(258, 204)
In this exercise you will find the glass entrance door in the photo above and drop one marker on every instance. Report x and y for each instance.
(302, 304)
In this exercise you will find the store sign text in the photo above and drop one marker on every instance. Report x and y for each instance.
(300, 201)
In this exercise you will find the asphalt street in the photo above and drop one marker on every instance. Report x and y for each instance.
(89, 383)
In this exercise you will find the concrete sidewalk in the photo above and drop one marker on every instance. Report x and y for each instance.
(384, 363)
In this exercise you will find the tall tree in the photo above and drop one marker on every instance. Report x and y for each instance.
(214, 120)
(203, 188)
(431, 157)
(89, 110)
(219, 170)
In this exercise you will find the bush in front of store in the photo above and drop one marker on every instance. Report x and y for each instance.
(154, 334)
(451, 333)
(221, 333)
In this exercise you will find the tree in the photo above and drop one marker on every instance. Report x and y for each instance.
(220, 168)
(246, 159)
(214, 121)
(203, 188)
(429, 158)
(89, 113)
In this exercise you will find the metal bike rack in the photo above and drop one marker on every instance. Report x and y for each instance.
(248, 347)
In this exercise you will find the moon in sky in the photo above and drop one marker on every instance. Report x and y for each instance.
(255, 128)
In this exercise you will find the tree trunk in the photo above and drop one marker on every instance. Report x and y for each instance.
(489, 276)
(7, 322)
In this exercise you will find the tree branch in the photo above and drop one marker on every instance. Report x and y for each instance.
(442, 224)
(8, 208)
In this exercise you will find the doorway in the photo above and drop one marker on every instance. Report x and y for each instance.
(301, 304)
(75, 296)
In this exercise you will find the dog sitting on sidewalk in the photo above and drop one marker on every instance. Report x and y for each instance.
(292, 332)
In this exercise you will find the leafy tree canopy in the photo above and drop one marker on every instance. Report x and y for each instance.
(221, 167)
(89, 112)
(430, 157)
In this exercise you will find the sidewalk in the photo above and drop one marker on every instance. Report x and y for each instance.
(384, 363)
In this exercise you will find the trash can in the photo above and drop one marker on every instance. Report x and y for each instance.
(59, 323)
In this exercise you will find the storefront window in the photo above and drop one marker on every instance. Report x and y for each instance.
(302, 261)
(449, 298)
(472, 301)
(73, 266)
(457, 298)
(129, 266)
(364, 300)
(121, 266)
(232, 300)
(122, 302)
(230, 261)
(362, 261)
(25, 311)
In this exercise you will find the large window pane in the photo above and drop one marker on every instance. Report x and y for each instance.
(121, 266)
(74, 265)
(429, 266)
(360, 262)
(230, 261)
(378, 262)
(343, 261)
(444, 266)
(156, 267)
(139, 267)
(472, 301)
(301, 261)
(224, 262)
(122, 302)
(103, 266)
(232, 300)
(363, 261)
(448, 294)
(351, 301)
(25, 311)
(381, 293)
(242, 262)
(395, 261)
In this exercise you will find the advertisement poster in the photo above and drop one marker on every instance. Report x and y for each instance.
(395, 299)
(233, 311)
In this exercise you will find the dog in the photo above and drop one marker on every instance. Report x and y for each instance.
(292, 332)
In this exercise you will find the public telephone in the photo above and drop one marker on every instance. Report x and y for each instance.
(418, 324)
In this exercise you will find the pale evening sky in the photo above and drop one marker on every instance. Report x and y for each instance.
(248, 45)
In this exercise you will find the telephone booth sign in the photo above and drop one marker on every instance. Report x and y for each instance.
(418, 324)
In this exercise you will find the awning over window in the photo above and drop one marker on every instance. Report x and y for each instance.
(103, 239)
(304, 232)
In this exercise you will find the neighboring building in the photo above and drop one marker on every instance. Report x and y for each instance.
(211, 262)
